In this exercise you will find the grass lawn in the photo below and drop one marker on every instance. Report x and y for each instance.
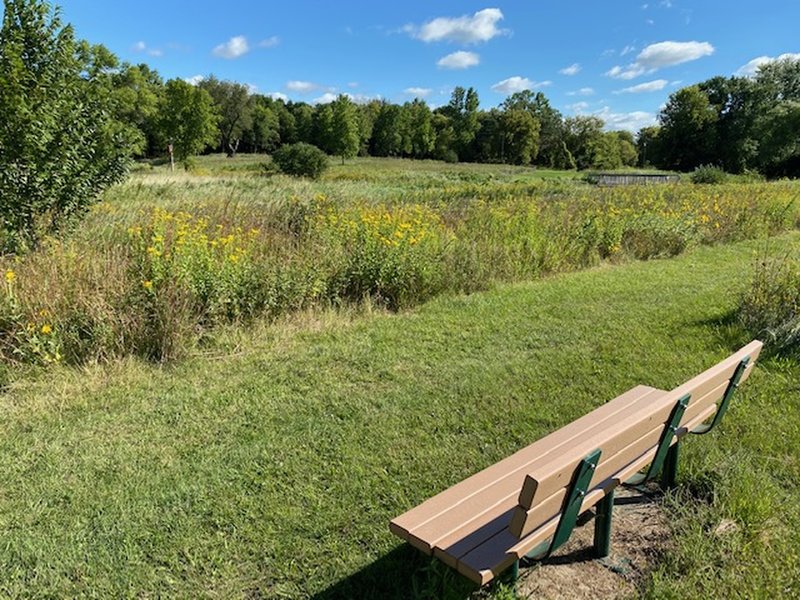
(270, 467)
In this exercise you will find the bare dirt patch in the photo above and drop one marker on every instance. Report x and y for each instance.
(640, 535)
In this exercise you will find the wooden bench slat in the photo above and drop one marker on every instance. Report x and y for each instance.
(463, 508)
(467, 537)
(499, 552)
(616, 453)
(699, 387)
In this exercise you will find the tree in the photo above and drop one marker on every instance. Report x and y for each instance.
(421, 137)
(688, 130)
(387, 135)
(552, 151)
(187, 118)
(626, 145)
(445, 147)
(323, 128)
(780, 140)
(647, 146)
(463, 114)
(736, 102)
(235, 108)
(59, 145)
(780, 79)
(345, 134)
(520, 137)
(265, 132)
(584, 139)
(304, 121)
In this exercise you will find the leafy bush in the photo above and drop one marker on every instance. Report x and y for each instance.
(708, 174)
(770, 308)
(301, 160)
(58, 147)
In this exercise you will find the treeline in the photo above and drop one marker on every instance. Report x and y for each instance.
(216, 115)
(737, 123)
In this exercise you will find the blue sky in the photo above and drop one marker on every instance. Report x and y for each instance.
(618, 59)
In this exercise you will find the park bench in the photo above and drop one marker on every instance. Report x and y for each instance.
(527, 505)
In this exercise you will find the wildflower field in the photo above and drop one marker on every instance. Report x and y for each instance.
(166, 257)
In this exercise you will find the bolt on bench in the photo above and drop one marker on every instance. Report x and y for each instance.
(527, 504)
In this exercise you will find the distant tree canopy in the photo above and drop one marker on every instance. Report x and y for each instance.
(60, 143)
(735, 123)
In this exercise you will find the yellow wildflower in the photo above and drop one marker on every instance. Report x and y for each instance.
(46, 329)
(148, 285)
(11, 276)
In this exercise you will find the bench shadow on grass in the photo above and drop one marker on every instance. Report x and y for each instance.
(402, 574)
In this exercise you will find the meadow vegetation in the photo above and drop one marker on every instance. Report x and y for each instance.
(164, 259)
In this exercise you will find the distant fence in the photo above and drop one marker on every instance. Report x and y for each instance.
(612, 179)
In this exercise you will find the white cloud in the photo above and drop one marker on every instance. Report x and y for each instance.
(278, 96)
(270, 42)
(155, 52)
(326, 98)
(650, 86)
(578, 107)
(251, 88)
(661, 55)
(459, 60)
(669, 54)
(480, 27)
(631, 121)
(517, 84)
(233, 48)
(629, 72)
(352, 84)
(418, 92)
(302, 87)
(571, 70)
(139, 47)
(194, 80)
(751, 68)
(585, 91)
(626, 50)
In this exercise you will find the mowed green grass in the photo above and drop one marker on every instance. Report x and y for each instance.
(270, 466)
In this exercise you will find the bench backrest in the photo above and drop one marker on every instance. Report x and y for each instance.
(626, 444)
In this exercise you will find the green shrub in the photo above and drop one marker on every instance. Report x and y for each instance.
(708, 174)
(301, 160)
(770, 308)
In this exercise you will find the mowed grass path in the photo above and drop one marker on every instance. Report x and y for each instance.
(272, 471)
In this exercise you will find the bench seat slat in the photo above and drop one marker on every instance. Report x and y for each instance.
(498, 553)
(543, 480)
(500, 483)
(616, 453)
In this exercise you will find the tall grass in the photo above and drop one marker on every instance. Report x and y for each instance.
(770, 307)
(164, 259)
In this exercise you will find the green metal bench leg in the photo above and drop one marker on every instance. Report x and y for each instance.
(602, 526)
(515, 571)
(669, 476)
